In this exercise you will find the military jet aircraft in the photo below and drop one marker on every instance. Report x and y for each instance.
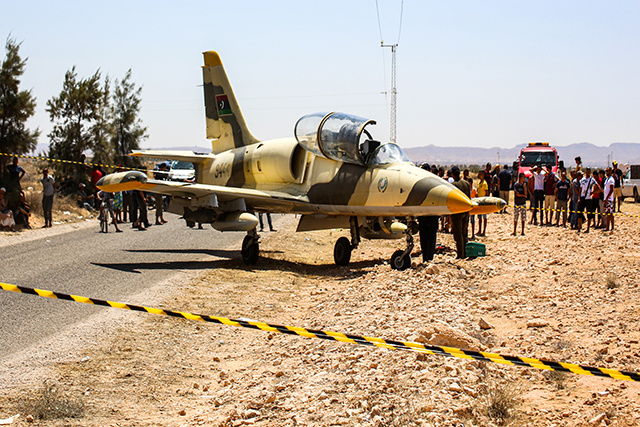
(332, 172)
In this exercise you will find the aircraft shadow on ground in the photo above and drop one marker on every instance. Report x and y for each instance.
(232, 260)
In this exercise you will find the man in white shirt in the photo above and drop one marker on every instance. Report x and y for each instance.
(538, 192)
(609, 197)
(586, 192)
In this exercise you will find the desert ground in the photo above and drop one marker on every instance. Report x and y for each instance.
(551, 294)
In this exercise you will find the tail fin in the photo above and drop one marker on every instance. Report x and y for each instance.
(225, 123)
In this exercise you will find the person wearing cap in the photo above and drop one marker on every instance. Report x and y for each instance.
(460, 221)
(48, 188)
(6, 215)
(85, 200)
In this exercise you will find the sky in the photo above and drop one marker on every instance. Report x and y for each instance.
(469, 73)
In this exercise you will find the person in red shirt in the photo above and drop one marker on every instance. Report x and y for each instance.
(550, 180)
(95, 177)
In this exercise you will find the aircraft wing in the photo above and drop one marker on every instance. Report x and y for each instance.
(268, 201)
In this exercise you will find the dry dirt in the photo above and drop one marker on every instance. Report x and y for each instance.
(552, 294)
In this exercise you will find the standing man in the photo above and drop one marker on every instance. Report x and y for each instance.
(586, 199)
(550, 180)
(609, 197)
(13, 183)
(576, 177)
(483, 191)
(538, 192)
(505, 183)
(15, 174)
(48, 188)
(562, 195)
(460, 222)
(520, 201)
(617, 189)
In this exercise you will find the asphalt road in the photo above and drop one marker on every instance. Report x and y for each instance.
(111, 266)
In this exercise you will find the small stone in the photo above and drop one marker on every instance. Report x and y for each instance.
(29, 418)
(182, 413)
(596, 420)
(484, 324)
(537, 323)
(454, 387)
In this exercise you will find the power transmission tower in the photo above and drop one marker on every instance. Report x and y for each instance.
(394, 91)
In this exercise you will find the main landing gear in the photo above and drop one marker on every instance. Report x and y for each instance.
(343, 247)
(400, 260)
(250, 248)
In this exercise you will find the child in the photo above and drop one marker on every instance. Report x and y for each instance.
(483, 191)
(520, 210)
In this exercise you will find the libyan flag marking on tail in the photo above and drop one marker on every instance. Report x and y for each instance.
(224, 109)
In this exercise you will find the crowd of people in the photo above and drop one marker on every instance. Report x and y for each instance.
(120, 207)
(579, 200)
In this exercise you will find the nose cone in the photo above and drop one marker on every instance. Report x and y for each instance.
(457, 202)
(501, 204)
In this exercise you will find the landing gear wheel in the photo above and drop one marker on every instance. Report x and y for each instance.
(400, 262)
(104, 223)
(342, 251)
(250, 250)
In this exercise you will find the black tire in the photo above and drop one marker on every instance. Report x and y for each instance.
(342, 251)
(636, 196)
(399, 262)
(104, 223)
(250, 251)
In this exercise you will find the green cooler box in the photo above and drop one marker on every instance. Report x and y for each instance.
(474, 249)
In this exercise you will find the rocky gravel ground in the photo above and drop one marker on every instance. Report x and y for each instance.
(552, 294)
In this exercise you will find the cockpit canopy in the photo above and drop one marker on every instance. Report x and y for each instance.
(339, 136)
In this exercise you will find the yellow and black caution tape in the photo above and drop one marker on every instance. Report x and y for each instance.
(71, 162)
(348, 338)
(529, 208)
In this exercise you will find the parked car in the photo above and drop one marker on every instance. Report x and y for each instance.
(182, 171)
(631, 183)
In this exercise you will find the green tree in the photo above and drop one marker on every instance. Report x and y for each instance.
(74, 114)
(102, 129)
(16, 106)
(127, 126)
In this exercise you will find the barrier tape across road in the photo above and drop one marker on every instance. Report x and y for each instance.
(73, 162)
(526, 362)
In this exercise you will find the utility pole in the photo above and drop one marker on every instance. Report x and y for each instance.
(394, 91)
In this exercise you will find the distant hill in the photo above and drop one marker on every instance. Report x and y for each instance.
(591, 155)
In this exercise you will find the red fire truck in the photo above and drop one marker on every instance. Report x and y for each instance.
(537, 153)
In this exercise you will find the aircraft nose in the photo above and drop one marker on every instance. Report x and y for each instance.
(457, 202)
(502, 204)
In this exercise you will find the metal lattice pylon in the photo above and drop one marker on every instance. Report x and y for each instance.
(394, 91)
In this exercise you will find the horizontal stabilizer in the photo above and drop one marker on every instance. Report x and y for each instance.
(185, 156)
